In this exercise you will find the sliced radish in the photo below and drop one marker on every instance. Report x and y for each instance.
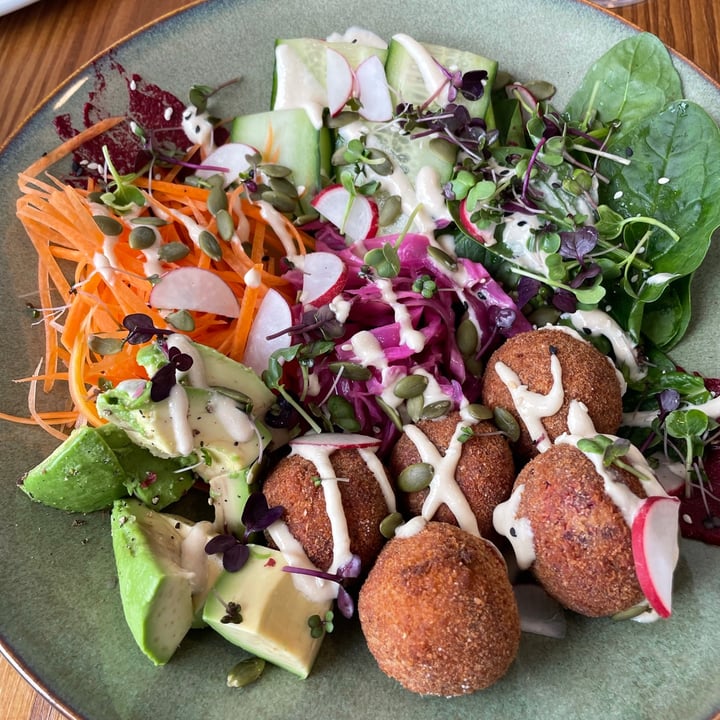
(273, 316)
(373, 91)
(229, 160)
(336, 441)
(340, 81)
(192, 288)
(356, 216)
(655, 549)
(482, 235)
(324, 276)
(528, 102)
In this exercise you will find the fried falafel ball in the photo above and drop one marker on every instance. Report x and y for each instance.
(484, 473)
(294, 484)
(438, 612)
(527, 360)
(575, 536)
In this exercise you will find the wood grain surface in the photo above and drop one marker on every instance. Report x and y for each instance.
(41, 44)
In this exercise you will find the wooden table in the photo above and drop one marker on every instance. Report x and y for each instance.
(40, 45)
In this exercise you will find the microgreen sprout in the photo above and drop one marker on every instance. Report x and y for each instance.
(613, 450)
(350, 570)
(256, 517)
(320, 625)
(121, 195)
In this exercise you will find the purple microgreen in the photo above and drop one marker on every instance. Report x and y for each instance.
(668, 400)
(527, 290)
(257, 516)
(577, 244)
(234, 552)
(166, 377)
(587, 272)
(345, 603)
(564, 300)
(141, 329)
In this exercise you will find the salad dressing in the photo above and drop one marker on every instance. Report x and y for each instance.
(516, 529)
(296, 86)
(414, 339)
(444, 489)
(531, 406)
(278, 223)
(436, 83)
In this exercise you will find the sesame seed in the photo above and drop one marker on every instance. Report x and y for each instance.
(618, 195)
(663, 181)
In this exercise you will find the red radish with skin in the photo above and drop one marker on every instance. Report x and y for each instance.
(192, 288)
(231, 157)
(324, 276)
(356, 216)
(273, 316)
(482, 235)
(655, 550)
(336, 441)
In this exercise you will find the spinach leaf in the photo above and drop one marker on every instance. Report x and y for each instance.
(666, 320)
(632, 80)
(673, 178)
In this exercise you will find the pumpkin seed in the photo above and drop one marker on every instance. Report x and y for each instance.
(95, 197)
(390, 210)
(507, 423)
(217, 200)
(141, 237)
(436, 409)
(173, 251)
(414, 407)
(474, 366)
(209, 245)
(350, 370)
(273, 170)
(479, 412)
(391, 412)
(181, 320)
(282, 203)
(108, 225)
(389, 524)
(148, 220)
(441, 257)
(225, 225)
(467, 337)
(544, 316)
(246, 672)
(104, 346)
(284, 187)
(415, 477)
(410, 386)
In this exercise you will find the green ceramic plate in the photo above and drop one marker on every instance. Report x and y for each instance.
(60, 612)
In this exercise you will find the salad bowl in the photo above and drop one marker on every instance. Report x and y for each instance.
(60, 614)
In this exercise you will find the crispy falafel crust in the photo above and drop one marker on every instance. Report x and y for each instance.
(587, 376)
(438, 612)
(583, 546)
(485, 472)
(292, 485)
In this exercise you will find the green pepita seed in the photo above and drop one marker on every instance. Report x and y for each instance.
(284, 187)
(631, 613)
(181, 320)
(507, 423)
(225, 225)
(282, 203)
(273, 170)
(479, 412)
(467, 337)
(148, 220)
(414, 407)
(173, 251)
(389, 524)
(246, 672)
(410, 386)
(105, 346)
(391, 412)
(436, 409)
(209, 245)
(350, 371)
(474, 366)
(108, 225)
(441, 257)
(217, 200)
(390, 210)
(95, 196)
(307, 217)
(142, 237)
(415, 477)
(340, 408)
(544, 316)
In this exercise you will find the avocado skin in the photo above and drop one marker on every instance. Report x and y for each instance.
(82, 474)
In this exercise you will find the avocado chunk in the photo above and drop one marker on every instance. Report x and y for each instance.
(163, 573)
(158, 482)
(200, 421)
(273, 613)
(216, 370)
(82, 474)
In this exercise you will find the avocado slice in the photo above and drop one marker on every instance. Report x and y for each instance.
(158, 482)
(163, 573)
(274, 624)
(82, 474)
(219, 371)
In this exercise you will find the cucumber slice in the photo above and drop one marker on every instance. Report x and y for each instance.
(421, 167)
(414, 76)
(299, 77)
(289, 138)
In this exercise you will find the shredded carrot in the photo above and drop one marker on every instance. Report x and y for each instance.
(88, 282)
